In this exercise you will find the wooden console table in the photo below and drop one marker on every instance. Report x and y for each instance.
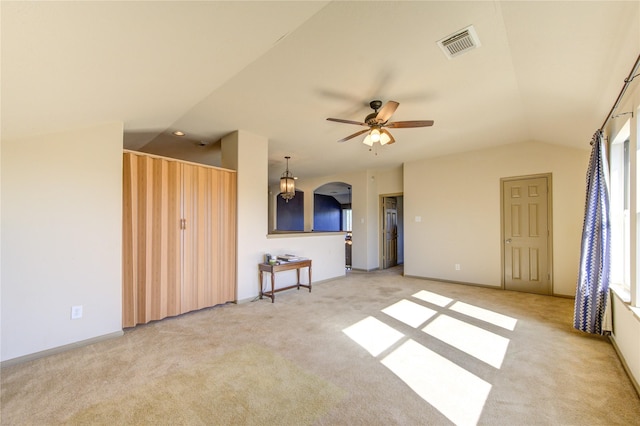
(285, 266)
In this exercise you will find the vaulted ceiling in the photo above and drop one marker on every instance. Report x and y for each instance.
(546, 71)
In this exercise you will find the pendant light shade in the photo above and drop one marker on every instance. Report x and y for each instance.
(375, 135)
(385, 138)
(287, 184)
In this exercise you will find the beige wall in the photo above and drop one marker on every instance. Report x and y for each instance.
(247, 153)
(457, 198)
(61, 238)
(389, 181)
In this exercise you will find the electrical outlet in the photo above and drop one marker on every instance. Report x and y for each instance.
(457, 266)
(76, 312)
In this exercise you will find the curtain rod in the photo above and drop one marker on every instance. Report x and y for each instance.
(627, 80)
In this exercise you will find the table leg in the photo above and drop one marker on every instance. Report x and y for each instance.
(260, 284)
(309, 278)
(273, 287)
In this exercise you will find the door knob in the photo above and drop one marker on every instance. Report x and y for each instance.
(508, 241)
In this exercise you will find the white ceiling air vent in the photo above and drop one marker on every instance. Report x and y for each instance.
(460, 42)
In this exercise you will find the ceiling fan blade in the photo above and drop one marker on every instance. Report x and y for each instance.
(354, 135)
(405, 124)
(387, 111)
(391, 139)
(340, 120)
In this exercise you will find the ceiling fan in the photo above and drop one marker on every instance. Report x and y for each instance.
(377, 121)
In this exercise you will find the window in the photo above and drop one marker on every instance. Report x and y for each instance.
(346, 218)
(620, 190)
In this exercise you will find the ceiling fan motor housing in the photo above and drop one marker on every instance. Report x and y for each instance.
(375, 105)
(371, 118)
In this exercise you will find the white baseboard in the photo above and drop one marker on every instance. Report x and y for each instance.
(60, 349)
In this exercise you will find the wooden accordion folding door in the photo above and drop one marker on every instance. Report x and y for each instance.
(179, 237)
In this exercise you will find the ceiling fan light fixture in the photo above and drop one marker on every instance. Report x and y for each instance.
(384, 139)
(287, 184)
(375, 134)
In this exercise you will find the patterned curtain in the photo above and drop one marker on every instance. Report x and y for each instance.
(593, 279)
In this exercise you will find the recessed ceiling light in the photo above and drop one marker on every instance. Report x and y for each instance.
(178, 133)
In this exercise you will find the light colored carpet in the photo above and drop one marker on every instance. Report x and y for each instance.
(251, 386)
(305, 360)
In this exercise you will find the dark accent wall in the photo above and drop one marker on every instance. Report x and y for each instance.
(327, 213)
(290, 216)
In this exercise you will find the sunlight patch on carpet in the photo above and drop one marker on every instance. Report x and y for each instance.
(434, 298)
(485, 315)
(475, 341)
(452, 390)
(373, 335)
(409, 313)
(250, 386)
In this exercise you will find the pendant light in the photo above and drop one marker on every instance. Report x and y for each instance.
(287, 184)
